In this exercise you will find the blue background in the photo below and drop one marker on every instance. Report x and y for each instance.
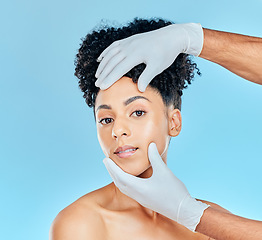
(49, 153)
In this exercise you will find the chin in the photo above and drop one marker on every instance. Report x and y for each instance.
(136, 166)
(146, 173)
(142, 172)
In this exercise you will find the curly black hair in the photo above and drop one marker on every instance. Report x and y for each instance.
(170, 83)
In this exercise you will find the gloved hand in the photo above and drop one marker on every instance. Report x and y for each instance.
(163, 192)
(157, 49)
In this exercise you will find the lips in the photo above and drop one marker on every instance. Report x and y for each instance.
(125, 151)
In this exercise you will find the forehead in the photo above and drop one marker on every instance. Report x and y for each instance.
(124, 89)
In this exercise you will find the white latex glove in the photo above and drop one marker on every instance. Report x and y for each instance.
(163, 192)
(157, 49)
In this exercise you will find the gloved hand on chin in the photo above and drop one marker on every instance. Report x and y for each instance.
(163, 192)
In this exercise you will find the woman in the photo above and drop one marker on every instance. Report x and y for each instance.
(127, 122)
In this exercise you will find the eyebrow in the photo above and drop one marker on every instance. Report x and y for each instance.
(126, 102)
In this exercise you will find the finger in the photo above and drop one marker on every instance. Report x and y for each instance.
(106, 59)
(154, 157)
(102, 55)
(103, 81)
(113, 169)
(145, 78)
(120, 69)
(121, 178)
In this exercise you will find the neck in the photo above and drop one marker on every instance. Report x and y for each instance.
(124, 202)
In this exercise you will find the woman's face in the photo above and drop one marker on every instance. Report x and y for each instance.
(128, 121)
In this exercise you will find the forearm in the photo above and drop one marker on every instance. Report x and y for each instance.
(226, 226)
(239, 54)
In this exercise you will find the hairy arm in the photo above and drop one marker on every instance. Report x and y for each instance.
(222, 225)
(239, 54)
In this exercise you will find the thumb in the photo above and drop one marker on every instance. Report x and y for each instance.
(145, 78)
(154, 157)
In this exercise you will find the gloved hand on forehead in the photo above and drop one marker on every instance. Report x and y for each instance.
(158, 49)
(163, 192)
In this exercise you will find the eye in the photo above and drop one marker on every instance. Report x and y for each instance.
(106, 121)
(138, 113)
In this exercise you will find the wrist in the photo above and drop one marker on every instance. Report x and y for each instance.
(190, 212)
(195, 38)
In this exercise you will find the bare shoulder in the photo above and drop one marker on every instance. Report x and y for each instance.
(79, 221)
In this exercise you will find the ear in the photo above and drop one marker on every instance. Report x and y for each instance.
(174, 122)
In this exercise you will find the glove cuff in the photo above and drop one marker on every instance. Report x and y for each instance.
(195, 38)
(190, 212)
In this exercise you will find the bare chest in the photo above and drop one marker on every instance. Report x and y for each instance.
(127, 226)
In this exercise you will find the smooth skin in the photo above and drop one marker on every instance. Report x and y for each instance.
(241, 55)
(107, 213)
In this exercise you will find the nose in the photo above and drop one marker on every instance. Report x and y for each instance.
(120, 129)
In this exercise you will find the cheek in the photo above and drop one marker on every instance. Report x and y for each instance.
(104, 139)
(155, 131)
